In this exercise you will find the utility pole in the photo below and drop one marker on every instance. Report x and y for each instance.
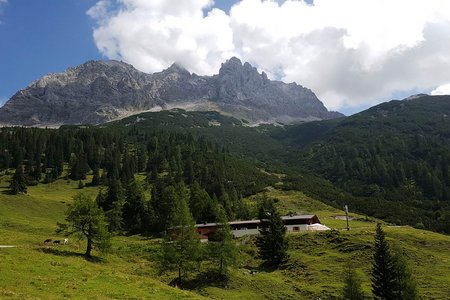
(346, 215)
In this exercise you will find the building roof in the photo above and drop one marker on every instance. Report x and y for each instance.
(299, 217)
(243, 222)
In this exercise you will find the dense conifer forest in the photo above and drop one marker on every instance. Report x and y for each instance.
(169, 162)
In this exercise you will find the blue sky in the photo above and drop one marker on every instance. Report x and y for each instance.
(337, 48)
(39, 37)
(46, 36)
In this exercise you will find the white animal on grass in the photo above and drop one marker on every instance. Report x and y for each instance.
(66, 241)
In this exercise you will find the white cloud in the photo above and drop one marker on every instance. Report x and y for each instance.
(151, 35)
(441, 90)
(2, 4)
(350, 52)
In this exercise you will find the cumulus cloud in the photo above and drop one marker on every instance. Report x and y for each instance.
(442, 90)
(350, 52)
(151, 35)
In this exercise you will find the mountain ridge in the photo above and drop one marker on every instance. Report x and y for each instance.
(101, 91)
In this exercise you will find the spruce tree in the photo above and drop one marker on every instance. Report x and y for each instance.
(352, 285)
(405, 285)
(134, 209)
(272, 243)
(180, 249)
(383, 275)
(112, 201)
(96, 179)
(18, 182)
(221, 247)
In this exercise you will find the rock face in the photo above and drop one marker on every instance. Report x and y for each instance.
(101, 91)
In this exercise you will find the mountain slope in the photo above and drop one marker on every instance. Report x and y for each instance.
(100, 91)
(397, 151)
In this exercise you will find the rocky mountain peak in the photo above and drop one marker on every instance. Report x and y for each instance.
(231, 66)
(175, 71)
(100, 91)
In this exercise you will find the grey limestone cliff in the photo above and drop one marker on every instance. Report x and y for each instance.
(101, 91)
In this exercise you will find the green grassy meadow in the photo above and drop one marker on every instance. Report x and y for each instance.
(33, 270)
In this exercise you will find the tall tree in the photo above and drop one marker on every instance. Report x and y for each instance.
(405, 284)
(272, 243)
(180, 249)
(136, 211)
(18, 182)
(112, 203)
(86, 219)
(78, 167)
(352, 285)
(221, 247)
(383, 275)
(391, 277)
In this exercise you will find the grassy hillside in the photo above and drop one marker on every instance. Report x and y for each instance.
(36, 271)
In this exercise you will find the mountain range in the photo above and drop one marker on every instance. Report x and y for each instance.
(100, 91)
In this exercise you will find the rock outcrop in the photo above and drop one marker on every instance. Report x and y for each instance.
(101, 91)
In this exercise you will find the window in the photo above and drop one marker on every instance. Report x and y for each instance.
(296, 228)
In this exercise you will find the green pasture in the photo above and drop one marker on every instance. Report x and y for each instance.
(33, 270)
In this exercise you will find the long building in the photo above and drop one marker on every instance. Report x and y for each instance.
(251, 227)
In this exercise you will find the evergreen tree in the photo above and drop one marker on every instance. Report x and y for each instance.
(112, 202)
(78, 167)
(352, 285)
(203, 208)
(86, 219)
(96, 180)
(135, 212)
(164, 200)
(383, 275)
(272, 243)
(405, 284)
(18, 182)
(180, 249)
(221, 247)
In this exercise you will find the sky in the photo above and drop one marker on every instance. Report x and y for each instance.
(351, 53)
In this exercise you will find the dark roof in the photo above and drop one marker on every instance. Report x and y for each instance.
(299, 217)
(284, 218)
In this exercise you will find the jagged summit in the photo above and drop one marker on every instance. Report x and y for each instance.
(176, 68)
(100, 91)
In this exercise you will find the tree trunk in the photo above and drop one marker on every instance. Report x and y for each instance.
(88, 248)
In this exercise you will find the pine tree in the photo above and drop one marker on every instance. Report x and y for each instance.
(180, 249)
(271, 242)
(18, 182)
(221, 247)
(352, 285)
(383, 276)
